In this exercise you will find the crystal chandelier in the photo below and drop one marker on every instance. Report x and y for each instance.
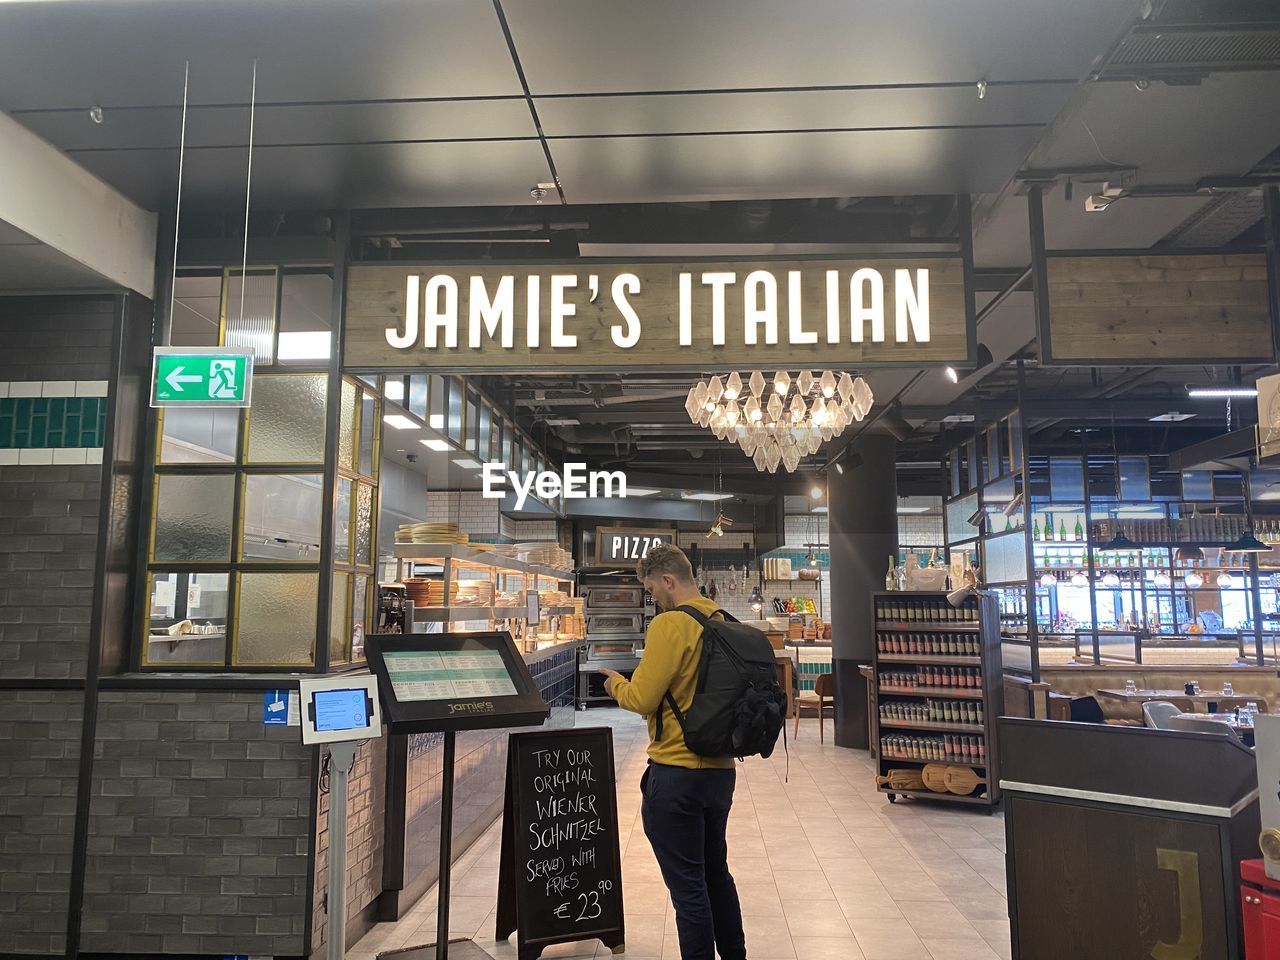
(779, 422)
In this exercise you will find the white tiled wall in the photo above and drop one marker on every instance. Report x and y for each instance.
(920, 530)
(469, 510)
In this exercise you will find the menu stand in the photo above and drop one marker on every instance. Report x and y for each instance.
(424, 690)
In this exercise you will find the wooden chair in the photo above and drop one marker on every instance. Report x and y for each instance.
(824, 689)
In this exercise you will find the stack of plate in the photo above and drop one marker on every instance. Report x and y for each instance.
(429, 593)
(549, 554)
(430, 533)
(474, 593)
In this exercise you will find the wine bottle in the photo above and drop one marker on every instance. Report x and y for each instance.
(1035, 529)
(1062, 529)
(1048, 528)
(1079, 531)
(891, 578)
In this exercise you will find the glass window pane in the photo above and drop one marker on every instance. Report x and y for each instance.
(359, 613)
(196, 305)
(437, 402)
(306, 303)
(287, 419)
(1135, 478)
(472, 423)
(418, 397)
(339, 618)
(276, 619)
(364, 525)
(368, 430)
(1066, 479)
(188, 618)
(347, 426)
(281, 518)
(454, 424)
(485, 423)
(249, 313)
(193, 517)
(342, 523)
(199, 436)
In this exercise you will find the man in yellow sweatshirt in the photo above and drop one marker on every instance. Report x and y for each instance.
(686, 797)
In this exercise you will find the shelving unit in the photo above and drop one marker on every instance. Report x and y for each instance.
(906, 625)
(508, 575)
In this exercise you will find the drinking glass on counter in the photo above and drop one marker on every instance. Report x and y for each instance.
(1227, 690)
(1130, 686)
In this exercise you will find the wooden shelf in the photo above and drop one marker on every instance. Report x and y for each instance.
(464, 612)
(932, 659)
(938, 626)
(423, 552)
(952, 762)
(965, 693)
(941, 725)
(930, 795)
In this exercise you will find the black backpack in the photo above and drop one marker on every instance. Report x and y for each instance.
(738, 705)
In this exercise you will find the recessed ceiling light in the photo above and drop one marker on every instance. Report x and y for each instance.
(468, 463)
(840, 469)
(393, 390)
(706, 496)
(816, 492)
(436, 444)
(1173, 416)
(563, 422)
(952, 374)
(642, 491)
(913, 509)
(819, 510)
(400, 422)
(1220, 393)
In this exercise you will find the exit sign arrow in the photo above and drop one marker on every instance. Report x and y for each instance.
(177, 378)
(201, 377)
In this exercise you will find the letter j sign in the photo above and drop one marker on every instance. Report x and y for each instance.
(201, 377)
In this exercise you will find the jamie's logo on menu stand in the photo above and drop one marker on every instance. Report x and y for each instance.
(575, 483)
(472, 706)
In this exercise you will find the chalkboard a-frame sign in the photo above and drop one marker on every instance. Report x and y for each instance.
(561, 873)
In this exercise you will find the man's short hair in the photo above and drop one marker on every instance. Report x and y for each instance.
(665, 558)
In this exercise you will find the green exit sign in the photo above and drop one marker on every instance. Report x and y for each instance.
(201, 377)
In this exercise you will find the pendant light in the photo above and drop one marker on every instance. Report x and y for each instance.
(1189, 555)
(1248, 543)
(757, 599)
(1120, 543)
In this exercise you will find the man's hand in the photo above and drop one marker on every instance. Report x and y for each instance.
(609, 675)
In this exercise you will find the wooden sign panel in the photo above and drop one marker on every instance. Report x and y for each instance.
(626, 545)
(588, 315)
(1157, 309)
(561, 869)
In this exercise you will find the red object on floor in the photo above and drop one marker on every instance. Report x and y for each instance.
(1260, 908)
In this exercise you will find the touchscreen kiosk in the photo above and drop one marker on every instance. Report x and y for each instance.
(454, 681)
(335, 709)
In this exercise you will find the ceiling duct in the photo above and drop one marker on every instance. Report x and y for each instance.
(1224, 218)
(1186, 53)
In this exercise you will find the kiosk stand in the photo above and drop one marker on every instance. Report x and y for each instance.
(443, 683)
(340, 712)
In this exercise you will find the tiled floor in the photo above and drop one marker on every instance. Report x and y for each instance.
(825, 867)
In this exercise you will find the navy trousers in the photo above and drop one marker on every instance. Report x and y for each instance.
(685, 813)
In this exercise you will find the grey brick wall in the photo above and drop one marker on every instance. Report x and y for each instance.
(366, 833)
(56, 338)
(48, 541)
(39, 752)
(199, 827)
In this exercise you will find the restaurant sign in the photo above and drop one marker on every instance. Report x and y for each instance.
(590, 314)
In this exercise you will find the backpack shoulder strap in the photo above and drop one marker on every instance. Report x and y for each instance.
(701, 617)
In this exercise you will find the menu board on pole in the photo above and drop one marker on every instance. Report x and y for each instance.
(560, 878)
(453, 681)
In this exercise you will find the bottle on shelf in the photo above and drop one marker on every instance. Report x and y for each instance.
(1035, 528)
(891, 577)
(1079, 531)
(1062, 529)
(1048, 528)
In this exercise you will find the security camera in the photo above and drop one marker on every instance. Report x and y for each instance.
(411, 457)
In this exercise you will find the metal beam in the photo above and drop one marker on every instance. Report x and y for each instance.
(1210, 453)
(48, 196)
